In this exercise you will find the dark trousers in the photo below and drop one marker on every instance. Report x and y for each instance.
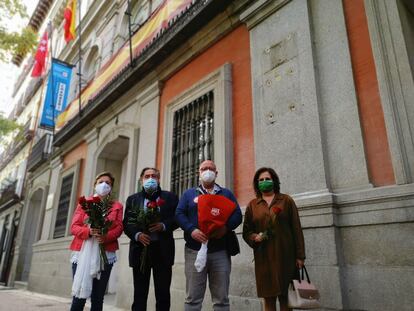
(162, 281)
(98, 291)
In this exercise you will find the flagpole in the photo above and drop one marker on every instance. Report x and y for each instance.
(50, 157)
(80, 59)
(128, 12)
(49, 26)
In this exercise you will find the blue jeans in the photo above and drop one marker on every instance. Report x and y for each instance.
(98, 291)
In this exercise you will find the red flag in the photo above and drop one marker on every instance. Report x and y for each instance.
(213, 212)
(69, 16)
(39, 66)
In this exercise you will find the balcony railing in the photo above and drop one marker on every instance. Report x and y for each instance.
(18, 144)
(27, 131)
(23, 75)
(40, 152)
(8, 194)
(19, 107)
(27, 96)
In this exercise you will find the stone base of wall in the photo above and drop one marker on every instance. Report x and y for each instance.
(50, 270)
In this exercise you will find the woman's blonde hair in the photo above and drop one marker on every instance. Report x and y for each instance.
(106, 173)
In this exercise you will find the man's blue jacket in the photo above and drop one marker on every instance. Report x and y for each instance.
(186, 216)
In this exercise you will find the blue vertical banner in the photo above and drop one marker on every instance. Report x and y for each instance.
(58, 86)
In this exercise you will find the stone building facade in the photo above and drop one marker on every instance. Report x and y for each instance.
(15, 158)
(320, 90)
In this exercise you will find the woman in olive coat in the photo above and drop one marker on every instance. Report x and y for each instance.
(272, 228)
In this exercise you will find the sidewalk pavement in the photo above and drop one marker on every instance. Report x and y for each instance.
(12, 299)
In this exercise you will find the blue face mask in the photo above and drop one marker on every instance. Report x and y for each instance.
(150, 185)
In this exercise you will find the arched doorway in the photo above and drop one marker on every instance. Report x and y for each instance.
(114, 158)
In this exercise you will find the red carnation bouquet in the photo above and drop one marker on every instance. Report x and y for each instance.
(143, 219)
(97, 211)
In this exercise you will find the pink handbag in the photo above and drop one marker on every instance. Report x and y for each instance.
(302, 294)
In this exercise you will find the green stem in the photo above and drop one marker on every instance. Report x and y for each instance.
(103, 254)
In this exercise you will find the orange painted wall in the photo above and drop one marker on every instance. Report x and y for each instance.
(70, 159)
(369, 102)
(235, 49)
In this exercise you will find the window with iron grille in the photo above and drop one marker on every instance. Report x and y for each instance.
(192, 141)
(198, 126)
(63, 207)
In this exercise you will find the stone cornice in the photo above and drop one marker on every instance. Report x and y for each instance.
(260, 10)
(372, 206)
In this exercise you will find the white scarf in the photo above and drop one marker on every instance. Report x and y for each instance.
(201, 259)
(88, 268)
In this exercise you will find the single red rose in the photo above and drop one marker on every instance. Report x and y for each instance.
(160, 202)
(96, 199)
(276, 210)
(151, 204)
(82, 200)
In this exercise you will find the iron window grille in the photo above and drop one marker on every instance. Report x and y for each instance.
(192, 141)
(63, 207)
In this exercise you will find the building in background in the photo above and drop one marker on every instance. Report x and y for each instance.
(26, 103)
(320, 90)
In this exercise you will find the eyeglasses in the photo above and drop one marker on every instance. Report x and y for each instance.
(265, 178)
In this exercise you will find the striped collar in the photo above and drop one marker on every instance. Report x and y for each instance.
(202, 190)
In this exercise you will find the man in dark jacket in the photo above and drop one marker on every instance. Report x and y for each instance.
(156, 237)
(218, 264)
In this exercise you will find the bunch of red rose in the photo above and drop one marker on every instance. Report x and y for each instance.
(97, 210)
(152, 214)
(143, 218)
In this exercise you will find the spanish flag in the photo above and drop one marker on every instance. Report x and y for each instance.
(69, 16)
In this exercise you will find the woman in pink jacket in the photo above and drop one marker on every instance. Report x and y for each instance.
(86, 284)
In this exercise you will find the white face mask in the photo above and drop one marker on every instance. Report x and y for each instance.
(208, 176)
(102, 189)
